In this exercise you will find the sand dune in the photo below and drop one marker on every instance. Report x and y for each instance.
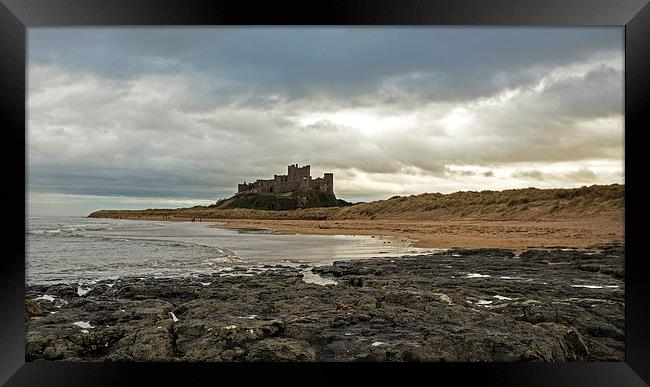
(514, 219)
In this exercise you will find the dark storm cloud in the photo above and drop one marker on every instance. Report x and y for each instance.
(354, 63)
(190, 112)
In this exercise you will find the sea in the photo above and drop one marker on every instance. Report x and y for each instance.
(86, 250)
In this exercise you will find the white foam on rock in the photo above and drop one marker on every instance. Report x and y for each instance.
(483, 302)
(83, 324)
(378, 343)
(444, 298)
(587, 286)
(311, 278)
(498, 297)
(174, 317)
(477, 275)
(513, 278)
(45, 297)
(81, 291)
(251, 317)
(236, 275)
(205, 283)
(230, 327)
(590, 300)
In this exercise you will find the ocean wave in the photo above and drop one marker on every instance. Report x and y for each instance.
(199, 249)
(50, 228)
(67, 231)
(214, 250)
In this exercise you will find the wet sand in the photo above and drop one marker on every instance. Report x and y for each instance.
(509, 234)
(516, 235)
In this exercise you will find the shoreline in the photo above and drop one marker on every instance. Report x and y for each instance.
(517, 235)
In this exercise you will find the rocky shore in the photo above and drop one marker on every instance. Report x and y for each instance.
(562, 304)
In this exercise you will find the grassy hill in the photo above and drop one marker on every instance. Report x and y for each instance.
(280, 202)
(518, 204)
(521, 204)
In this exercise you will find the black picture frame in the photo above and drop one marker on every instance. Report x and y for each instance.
(17, 15)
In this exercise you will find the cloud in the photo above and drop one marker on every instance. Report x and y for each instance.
(189, 113)
(533, 174)
(442, 63)
(576, 176)
(582, 174)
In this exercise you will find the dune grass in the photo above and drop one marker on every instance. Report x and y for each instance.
(516, 204)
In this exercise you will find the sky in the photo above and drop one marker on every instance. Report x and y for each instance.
(130, 118)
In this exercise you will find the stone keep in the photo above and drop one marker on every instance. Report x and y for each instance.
(296, 179)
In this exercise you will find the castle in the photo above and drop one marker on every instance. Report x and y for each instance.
(296, 179)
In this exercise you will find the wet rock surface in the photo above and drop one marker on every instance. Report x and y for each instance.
(462, 305)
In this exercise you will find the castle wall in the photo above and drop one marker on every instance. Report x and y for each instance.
(289, 186)
(315, 184)
(264, 185)
(297, 178)
(278, 181)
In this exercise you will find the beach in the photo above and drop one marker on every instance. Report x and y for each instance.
(510, 234)
(517, 235)
(339, 290)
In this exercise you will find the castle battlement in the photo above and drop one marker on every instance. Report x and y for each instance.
(296, 179)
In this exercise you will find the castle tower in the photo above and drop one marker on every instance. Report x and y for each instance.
(329, 182)
(297, 174)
